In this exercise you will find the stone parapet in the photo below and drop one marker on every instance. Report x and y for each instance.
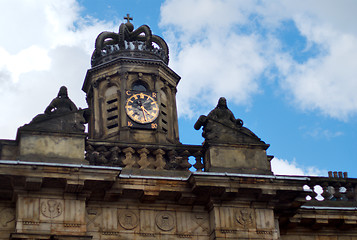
(51, 147)
(138, 156)
(237, 158)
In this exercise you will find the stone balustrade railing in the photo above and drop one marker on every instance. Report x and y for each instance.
(335, 188)
(327, 191)
(168, 157)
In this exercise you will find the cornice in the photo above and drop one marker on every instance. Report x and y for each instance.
(130, 60)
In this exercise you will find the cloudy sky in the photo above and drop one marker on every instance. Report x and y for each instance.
(287, 68)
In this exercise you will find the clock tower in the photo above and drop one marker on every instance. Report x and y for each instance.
(130, 89)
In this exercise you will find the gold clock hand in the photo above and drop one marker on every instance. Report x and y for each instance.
(143, 109)
(146, 111)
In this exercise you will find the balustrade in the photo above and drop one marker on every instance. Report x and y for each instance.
(320, 190)
(168, 157)
(337, 187)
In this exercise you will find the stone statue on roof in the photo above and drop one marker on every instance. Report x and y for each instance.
(61, 115)
(220, 126)
(61, 104)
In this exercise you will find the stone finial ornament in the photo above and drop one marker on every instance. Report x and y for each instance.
(129, 43)
(220, 126)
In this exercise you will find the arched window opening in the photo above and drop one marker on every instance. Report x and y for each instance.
(140, 86)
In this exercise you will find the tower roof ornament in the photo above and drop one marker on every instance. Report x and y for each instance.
(128, 18)
(129, 43)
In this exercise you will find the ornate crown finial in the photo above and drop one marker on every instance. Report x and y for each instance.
(139, 43)
(128, 24)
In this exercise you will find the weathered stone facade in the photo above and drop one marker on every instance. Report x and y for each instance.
(67, 201)
(131, 178)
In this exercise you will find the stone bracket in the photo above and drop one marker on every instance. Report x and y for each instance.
(149, 195)
(74, 186)
(33, 183)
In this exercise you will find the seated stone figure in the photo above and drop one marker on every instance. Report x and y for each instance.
(61, 104)
(61, 115)
(220, 126)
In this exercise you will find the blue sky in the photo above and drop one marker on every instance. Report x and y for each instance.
(287, 68)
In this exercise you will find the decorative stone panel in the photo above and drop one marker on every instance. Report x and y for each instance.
(147, 222)
(50, 215)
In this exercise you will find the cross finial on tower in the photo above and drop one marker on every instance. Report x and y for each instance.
(128, 18)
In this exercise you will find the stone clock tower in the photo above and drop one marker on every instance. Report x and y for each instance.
(130, 88)
(133, 179)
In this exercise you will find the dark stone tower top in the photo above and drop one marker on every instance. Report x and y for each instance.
(131, 90)
(139, 43)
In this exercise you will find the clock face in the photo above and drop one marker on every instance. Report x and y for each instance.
(142, 108)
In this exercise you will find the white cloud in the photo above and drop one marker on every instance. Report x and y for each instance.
(47, 44)
(207, 39)
(211, 70)
(213, 60)
(327, 82)
(197, 19)
(285, 167)
(33, 58)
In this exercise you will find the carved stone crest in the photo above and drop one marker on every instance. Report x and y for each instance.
(245, 217)
(51, 208)
(7, 215)
(165, 221)
(128, 219)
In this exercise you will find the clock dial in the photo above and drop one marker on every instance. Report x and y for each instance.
(142, 108)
